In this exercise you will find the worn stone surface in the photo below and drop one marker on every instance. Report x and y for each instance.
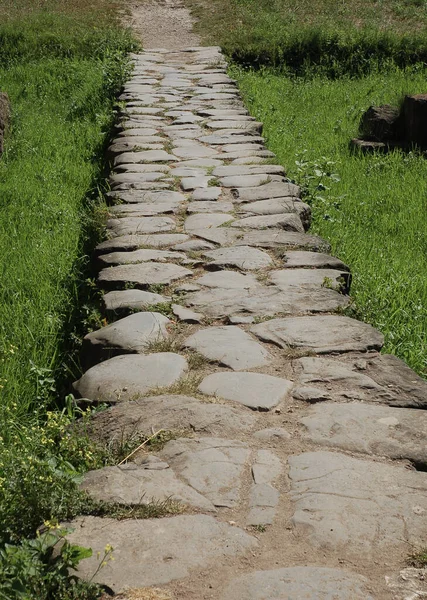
(201, 221)
(133, 484)
(377, 430)
(212, 466)
(140, 225)
(255, 390)
(134, 242)
(138, 256)
(128, 377)
(298, 583)
(132, 300)
(133, 334)
(143, 274)
(387, 504)
(266, 192)
(288, 222)
(308, 278)
(311, 260)
(229, 346)
(142, 548)
(408, 584)
(186, 315)
(322, 334)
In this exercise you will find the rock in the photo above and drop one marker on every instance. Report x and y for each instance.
(266, 467)
(376, 430)
(186, 315)
(263, 500)
(272, 434)
(380, 123)
(312, 278)
(4, 117)
(147, 209)
(135, 242)
(366, 146)
(127, 300)
(241, 320)
(209, 207)
(278, 206)
(322, 334)
(200, 221)
(313, 260)
(408, 584)
(143, 274)
(141, 225)
(149, 197)
(228, 280)
(148, 156)
(142, 548)
(129, 376)
(266, 192)
(212, 466)
(139, 256)
(171, 413)
(380, 378)
(310, 394)
(387, 504)
(297, 583)
(194, 151)
(192, 183)
(414, 117)
(255, 390)
(238, 181)
(273, 238)
(288, 222)
(229, 346)
(242, 170)
(241, 257)
(205, 194)
(193, 245)
(246, 125)
(129, 335)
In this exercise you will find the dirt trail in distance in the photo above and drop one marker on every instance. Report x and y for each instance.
(162, 23)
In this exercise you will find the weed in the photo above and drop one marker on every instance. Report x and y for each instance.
(186, 386)
(418, 559)
(196, 361)
(164, 308)
(169, 344)
(153, 509)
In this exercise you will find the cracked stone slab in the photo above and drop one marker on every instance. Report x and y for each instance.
(255, 390)
(200, 221)
(380, 378)
(241, 257)
(156, 196)
(148, 209)
(130, 376)
(287, 221)
(141, 484)
(266, 192)
(135, 242)
(278, 206)
(143, 274)
(312, 260)
(171, 413)
(139, 256)
(129, 335)
(387, 504)
(308, 278)
(263, 501)
(297, 583)
(228, 280)
(209, 207)
(273, 238)
(322, 334)
(142, 225)
(132, 300)
(229, 346)
(212, 466)
(142, 548)
(266, 467)
(375, 430)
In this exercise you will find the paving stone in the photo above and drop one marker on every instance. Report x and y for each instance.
(243, 170)
(192, 183)
(273, 238)
(242, 257)
(149, 156)
(140, 132)
(266, 192)
(132, 300)
(193, 245)
(171, 413)
(228, 280)
(255, 390)
(310, 394)
(272, 434)
(129, 335)
(209, 207)
(318, 260)
(142, 548)
(126, 146)
(309, 278)
(229, 346)
(322, 334)
(377, 430)
(241, 320)
(387, 504)
(246, 125)
(298, 583)
(263, 501)
(194, 151)
(200, 162)
(132, 484)
(144, 209)
(210, 193)
(130, 376)
(142, 168)
(212, 466)
(237, 181)
(186, 315)
(157, 196)
(229, 137)
(142, 225)
(139, 256)
(378, 378)
(143, 274)
(201, 221)
(135, 242)
(288, 222)
(266, 467)
(277, 206)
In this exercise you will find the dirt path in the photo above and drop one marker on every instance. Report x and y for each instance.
(163, 24)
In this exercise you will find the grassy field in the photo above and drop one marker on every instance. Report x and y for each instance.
(62, 65)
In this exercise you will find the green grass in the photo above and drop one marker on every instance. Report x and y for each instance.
(375, 215)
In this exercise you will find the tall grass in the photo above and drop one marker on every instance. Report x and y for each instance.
(376, 215)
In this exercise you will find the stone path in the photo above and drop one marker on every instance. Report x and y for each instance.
(299, 452)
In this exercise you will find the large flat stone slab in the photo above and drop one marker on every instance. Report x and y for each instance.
(141, 484)
(147, 156)
(129, 376)
(273, 238)
(212, 466)
(143, 274)
(376, 430)
(135, 242)
(171, 413)
(126, 300)
(140, 225)
(322, 334)
(156, 196)
(357, 507)
(299, 583)
(129, 335)
(309, 278)
(379, 378)
(255, 390)
(285, 221)
(139, 256)
(266, 192)
(241, 257)
(229, 346)
(201, 221)
(311, 260)
(156, 551)
(144, 209)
